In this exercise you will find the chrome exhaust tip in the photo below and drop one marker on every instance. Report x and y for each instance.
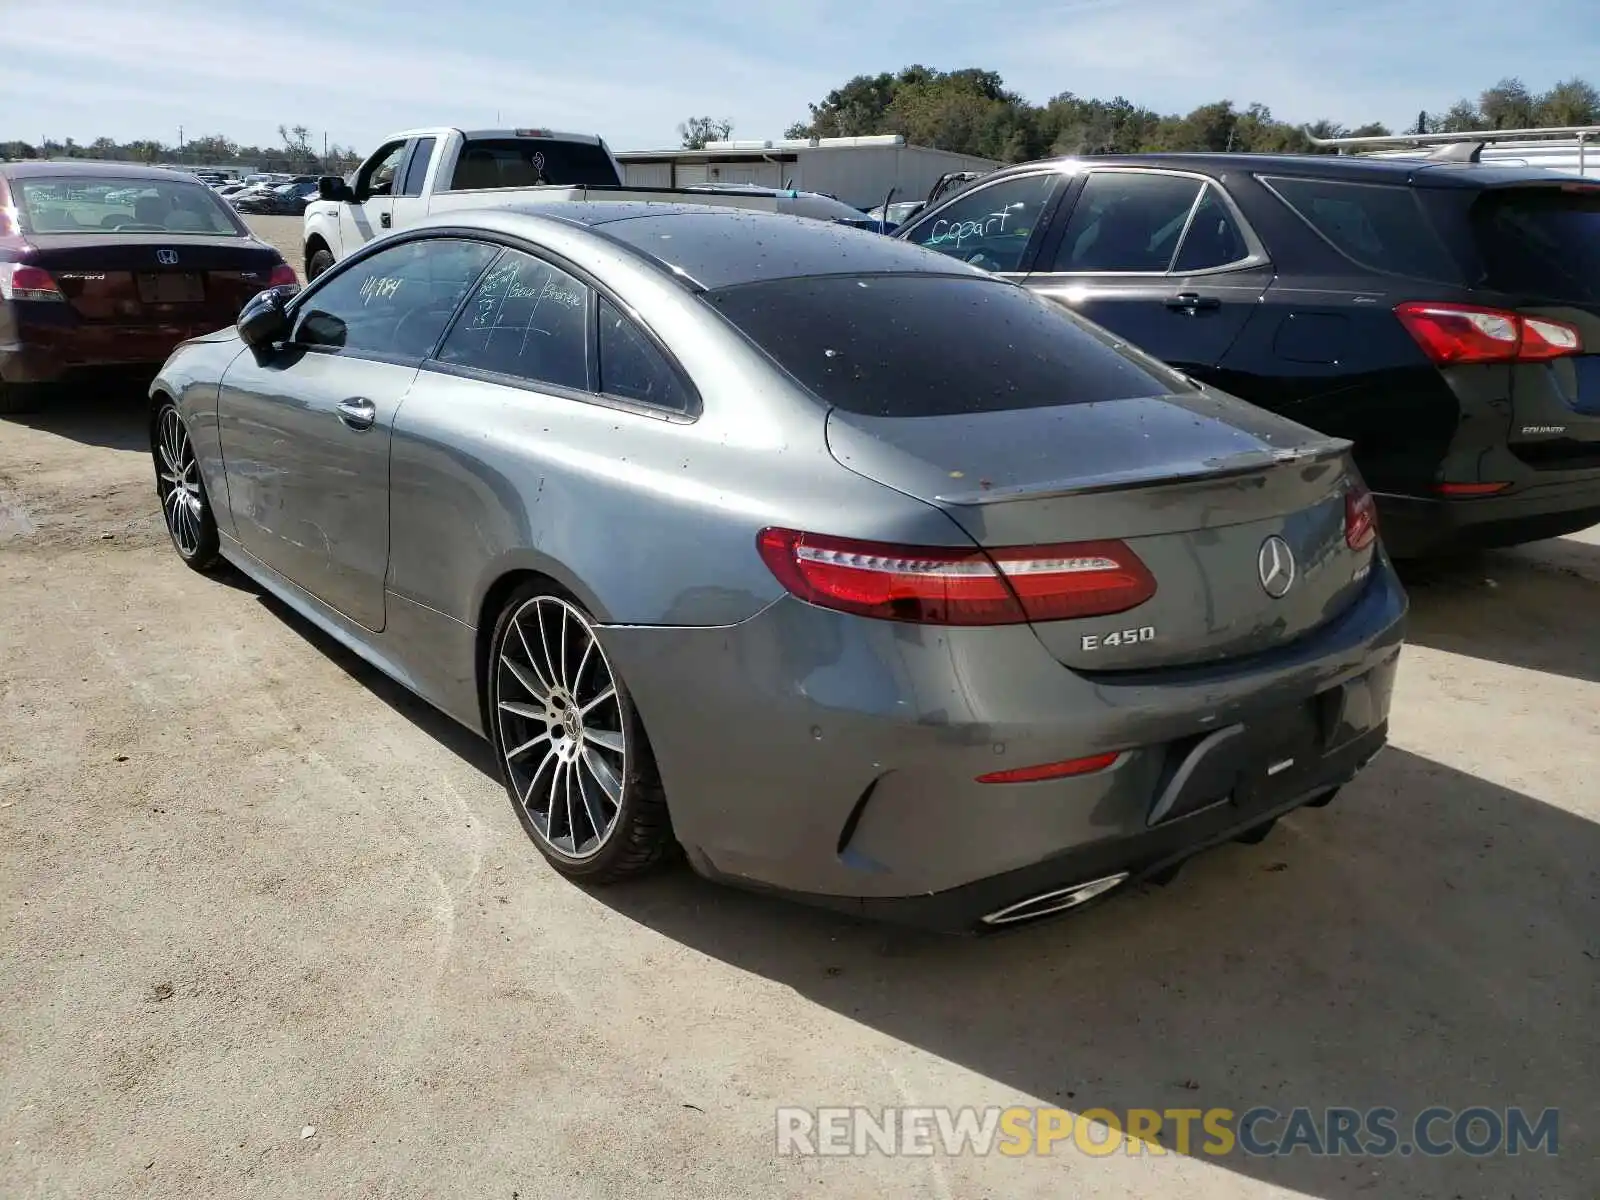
(1054, 902)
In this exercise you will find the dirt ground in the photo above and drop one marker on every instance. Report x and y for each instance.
(269, 926)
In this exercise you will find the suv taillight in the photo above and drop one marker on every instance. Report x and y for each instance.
(1360, 518)
(20, 282)
(1461, 333)
(283, 276)
(938, 585)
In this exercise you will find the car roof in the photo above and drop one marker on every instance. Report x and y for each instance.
(713, 246)
(1353, 168)
(34, 168)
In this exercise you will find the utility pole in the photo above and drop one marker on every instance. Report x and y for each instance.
(180, 143)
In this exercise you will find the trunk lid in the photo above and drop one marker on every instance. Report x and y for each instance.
(1198, 485)
(1540, 249)
(120, 280)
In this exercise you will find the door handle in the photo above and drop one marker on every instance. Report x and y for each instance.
(1192, 302)
(358, 412)
(384, 220)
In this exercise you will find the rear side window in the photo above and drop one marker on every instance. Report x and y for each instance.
(527, 319)
(934, 345)
(417, 167)
(1214, 238)
(1380, 226)
(1127, 221)
(1541, 242)
(527, 162)
(632, 368)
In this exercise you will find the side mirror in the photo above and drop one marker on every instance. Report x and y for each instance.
(333, 187)
(265, 319)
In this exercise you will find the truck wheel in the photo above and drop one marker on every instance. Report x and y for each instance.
(318, 263)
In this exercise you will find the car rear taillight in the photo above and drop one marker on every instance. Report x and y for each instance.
(20, 282)
(1460, 333)
(1360, 518)
(1471, 489)
(283, 276)
(938, 585)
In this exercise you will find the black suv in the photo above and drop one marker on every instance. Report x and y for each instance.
(1445, 317)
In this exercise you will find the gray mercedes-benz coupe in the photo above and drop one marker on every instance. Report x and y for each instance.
(855, 572)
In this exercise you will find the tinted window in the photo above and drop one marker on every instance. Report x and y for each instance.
(526, 319)
(933, 345)
(525, 162)
(417, 167)
(1541, 242)
(131, 207)
(989, 227)
(1214, 238)
(1377, 225)
(396, 302)
(631, 367)
(1126, 222)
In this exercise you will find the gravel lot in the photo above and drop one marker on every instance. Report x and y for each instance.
(248, 889)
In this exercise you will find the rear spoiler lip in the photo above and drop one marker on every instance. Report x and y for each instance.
(1234, 466)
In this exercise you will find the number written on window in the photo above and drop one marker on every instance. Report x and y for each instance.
(526, 319)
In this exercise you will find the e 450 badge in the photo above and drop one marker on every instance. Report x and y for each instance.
(1119, 637)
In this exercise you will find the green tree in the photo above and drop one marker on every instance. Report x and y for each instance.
(1570, 102)
(1460, 117)
(1507, 105)
(697, 131)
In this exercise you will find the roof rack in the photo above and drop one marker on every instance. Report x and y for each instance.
(1466, 146)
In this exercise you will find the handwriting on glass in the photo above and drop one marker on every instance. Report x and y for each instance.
(380, 288)
(945, 233)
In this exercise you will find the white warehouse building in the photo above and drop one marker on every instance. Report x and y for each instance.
(858, 170)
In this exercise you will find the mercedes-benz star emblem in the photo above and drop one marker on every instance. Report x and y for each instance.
(167, 257)
(1275, 564)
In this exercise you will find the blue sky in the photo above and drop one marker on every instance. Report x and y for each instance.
(631, 69)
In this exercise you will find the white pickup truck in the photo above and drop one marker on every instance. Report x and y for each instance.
(424, 171)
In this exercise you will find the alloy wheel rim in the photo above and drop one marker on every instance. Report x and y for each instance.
(179, 483)
(562, 733)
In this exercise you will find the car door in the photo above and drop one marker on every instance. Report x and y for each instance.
(994, 226)
(305, 427)
(410, 205)
(1161, 258)
(372, 211)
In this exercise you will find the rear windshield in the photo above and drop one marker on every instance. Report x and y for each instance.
(1378, 225)
(527, 162)
(1541, 242)
(84, 204)
(934, 345)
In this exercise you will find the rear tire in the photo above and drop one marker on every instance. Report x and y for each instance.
(16, 399)
(572, 752)
(185, 507)
(319, 262)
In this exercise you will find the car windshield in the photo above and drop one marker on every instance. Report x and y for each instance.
(111, 206)
(913, 345)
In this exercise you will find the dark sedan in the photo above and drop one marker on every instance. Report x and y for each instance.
(106, 267)
(285, 200)
(1443, 316)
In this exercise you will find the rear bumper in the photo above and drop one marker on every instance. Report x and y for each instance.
(1416, 526)
(835, 759)
(53, 354)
